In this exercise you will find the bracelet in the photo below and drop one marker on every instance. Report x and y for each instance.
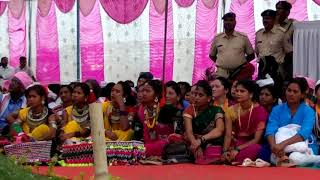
(203, 140)
(123, 113)
(53, 124)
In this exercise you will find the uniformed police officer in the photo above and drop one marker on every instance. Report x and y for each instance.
(273, 41)
(230, 49)
(283, 12)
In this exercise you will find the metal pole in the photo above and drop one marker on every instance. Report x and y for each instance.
(165, 41)
(78, 41)
(29, 33)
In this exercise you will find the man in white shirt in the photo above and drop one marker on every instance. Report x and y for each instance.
(6, 71)
(23, 67)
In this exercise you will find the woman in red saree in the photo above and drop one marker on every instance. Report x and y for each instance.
(245, 124)
(155, 130)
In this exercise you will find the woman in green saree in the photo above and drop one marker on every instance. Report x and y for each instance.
(204, 125)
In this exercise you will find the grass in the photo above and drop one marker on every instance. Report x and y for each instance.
(11, 170)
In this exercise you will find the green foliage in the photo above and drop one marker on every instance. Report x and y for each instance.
(12, 169)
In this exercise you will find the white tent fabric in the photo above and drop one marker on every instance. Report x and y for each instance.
(67, 44)
(313, 11)
(4, 38)
(126, 45)
(31, 16)
(306, 45)
(184, 28)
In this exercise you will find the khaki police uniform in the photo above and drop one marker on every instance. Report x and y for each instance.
(288, 26)
(230, 51)
(274, 43)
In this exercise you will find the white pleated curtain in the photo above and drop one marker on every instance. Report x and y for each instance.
(306, 49)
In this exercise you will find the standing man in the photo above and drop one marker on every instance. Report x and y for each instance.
(6, 71)
(283, 12)
(23, 67)
(272, 45)
(230, 49)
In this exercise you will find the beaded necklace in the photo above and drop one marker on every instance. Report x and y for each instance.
(114, 115)
(153, 117)
(81, 116)
(34, 120)
(239, 117)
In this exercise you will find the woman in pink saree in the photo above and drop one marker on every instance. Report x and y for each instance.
(155, 133)
(245, 124)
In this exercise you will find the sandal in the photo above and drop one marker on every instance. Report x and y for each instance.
(261, 163)
(248, 163)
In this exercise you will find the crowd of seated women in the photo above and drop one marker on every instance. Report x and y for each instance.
(240, 123)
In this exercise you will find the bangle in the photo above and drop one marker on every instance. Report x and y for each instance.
(53, 124)
(203, 140)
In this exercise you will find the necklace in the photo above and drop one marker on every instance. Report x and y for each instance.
(153, 117)
(34, 120)
(114, 115)
(239, 117)
(81, 116)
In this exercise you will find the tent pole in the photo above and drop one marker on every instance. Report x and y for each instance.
(78, 41)
(29, 32)
(165, 41)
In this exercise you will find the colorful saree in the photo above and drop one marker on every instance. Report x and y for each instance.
(244, 128)
(202, 124)
(155, 138)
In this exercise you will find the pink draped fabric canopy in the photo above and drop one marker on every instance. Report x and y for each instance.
(317, 2)
(159, 5)
(156, 26)
(91, 44)
(3, 6)
(16, 8)
(210, 4)
(299, 10)
(206, 28)
(17, 31)
(47, 43)
(44, 7)
(124, 11)
(65, 5)
(184, 3)
(86, 6)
